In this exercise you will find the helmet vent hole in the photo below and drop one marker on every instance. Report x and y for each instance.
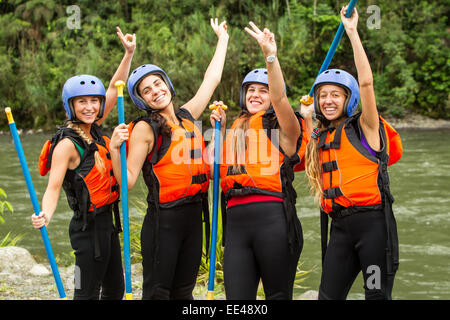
(338, 72)
(82, 82)
(93, 82)
(327, 71)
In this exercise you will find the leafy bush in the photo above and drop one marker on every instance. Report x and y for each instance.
(38, 52)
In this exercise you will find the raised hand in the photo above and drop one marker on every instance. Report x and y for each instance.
(221, 29)
(128, 40)
(266, 39)
(350, 24)
(306, 110)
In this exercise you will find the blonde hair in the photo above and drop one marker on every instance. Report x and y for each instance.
(313, 162)
(99, 163)
(313, 167)
(239, 141)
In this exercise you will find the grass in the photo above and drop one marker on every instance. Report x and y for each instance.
(8, 240)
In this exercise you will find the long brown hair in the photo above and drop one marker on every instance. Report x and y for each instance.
(99, 163)
(313, 167)
(161, 121)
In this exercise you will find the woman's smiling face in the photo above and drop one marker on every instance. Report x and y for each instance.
(257, 97)
(331, 101)
(86, 108)
(155, 92)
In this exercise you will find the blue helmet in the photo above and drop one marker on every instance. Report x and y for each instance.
(82, 85)
(136, 77)
(254, 76)
(341, 78)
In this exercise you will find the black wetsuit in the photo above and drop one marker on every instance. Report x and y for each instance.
(256, 247)
(178, 252)
(357, 243)
(98, 260)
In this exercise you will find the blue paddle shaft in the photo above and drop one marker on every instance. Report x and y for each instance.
(335, 43)
(37, 209)
(124, 194)
(212, 262)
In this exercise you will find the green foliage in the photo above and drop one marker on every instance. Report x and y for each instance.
(8, 240)
(4, 205)
(65, 259)
(409, 54)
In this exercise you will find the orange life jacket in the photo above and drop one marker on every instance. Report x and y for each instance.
(266, 169)
(352, 177)
(88, 189)
(263, 160)
(175, 170)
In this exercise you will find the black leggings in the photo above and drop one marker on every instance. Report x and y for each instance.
(256, 247)
(180, 237)
(94, 273)
(357, 242)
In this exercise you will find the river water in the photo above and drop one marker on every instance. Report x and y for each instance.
(419, 183)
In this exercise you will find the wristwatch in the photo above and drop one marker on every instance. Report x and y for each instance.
(270, 59)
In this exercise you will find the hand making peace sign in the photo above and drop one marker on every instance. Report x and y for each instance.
(266, 39)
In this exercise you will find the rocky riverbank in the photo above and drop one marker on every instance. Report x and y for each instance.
(21, 278)
(415, 121)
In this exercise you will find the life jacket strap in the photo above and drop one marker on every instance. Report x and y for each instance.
(199, 178)
(190, 134)
(332, 193)
(329, 166)
(196, 154)
(232, 172)
(336, 143)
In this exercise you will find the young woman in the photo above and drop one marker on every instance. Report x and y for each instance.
(78, 160)
(263, 235)
(168, 146)
(346, 163)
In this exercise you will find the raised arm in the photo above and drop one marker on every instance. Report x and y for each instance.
(290, 128)
(369, 117)
(213, 73)
(129, 43)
